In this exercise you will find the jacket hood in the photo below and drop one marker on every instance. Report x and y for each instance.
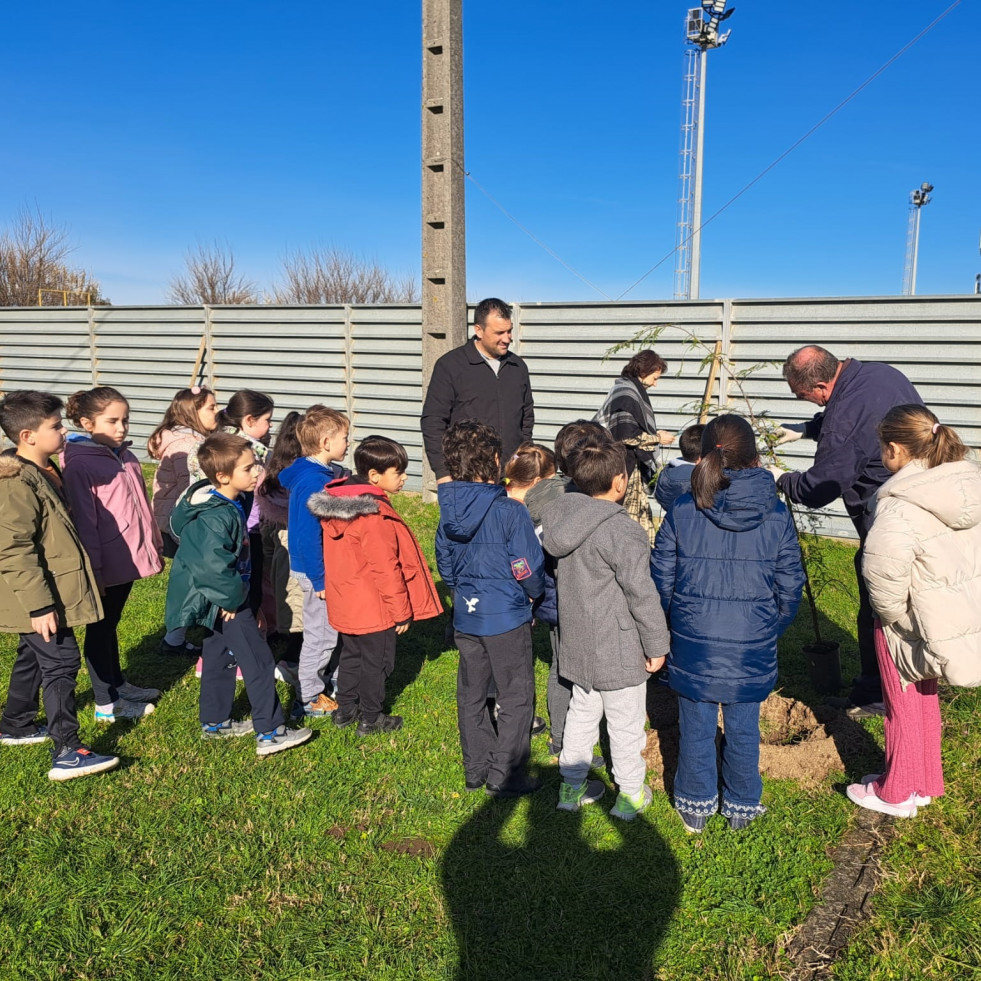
(198, 498)
(301, 468)
(344, 501)
(745, 503)
(80, 443)
(464, 505)
(543, 493)
(168, 436)
(571, 519)
(950, 492)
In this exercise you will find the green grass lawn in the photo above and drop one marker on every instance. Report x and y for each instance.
(350, 859)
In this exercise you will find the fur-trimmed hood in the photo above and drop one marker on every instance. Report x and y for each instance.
(328, 506)
(10, 465)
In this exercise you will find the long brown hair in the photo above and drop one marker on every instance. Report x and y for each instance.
(918, 431)
(728, 443)
(182, 411)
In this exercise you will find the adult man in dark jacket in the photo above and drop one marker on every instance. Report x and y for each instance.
(855, 396)
(480, 380)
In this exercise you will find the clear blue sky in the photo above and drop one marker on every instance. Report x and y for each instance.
(146, 128)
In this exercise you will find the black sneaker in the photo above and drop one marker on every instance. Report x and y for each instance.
(384, 723)
(516, 787)
(538, 725)
(187, 649)
(474, 784)
(344, 719)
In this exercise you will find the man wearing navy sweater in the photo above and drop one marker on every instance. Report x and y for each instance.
(855, 396)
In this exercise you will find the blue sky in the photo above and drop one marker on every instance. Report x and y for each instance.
(271, 127)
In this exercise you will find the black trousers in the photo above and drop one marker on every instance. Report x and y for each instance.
(102, 645)
(868, 686)
(253, 656)
(366, 661)
(53, 666)
(506, 661)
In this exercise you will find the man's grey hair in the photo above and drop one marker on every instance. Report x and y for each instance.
(809, 366)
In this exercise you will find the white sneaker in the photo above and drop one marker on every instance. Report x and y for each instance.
(918, 799)
(122, 708)
(134, 693)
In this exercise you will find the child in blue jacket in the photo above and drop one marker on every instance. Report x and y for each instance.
(727, 565)
(489, 556)
(675, 478)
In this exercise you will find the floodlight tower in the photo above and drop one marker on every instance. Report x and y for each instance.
(917, 199)
(702, 33)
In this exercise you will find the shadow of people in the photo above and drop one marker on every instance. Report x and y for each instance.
(536, 894)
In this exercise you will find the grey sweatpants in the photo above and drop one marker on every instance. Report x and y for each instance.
(319, 641)
(626, 712)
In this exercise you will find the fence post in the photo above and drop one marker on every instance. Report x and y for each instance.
(93, 347)
(349, 368)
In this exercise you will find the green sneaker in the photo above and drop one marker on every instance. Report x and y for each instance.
(571, 797)
(627, 808)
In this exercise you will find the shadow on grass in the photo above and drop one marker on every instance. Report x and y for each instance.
(535, 893)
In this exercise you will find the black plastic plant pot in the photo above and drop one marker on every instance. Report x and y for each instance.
(824, 660)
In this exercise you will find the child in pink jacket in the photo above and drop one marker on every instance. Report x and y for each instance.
(189, 418)
(104, 484)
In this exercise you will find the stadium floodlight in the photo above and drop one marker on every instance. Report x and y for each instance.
(917, 198)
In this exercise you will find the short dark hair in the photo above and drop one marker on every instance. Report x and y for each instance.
(577, 433)
(690, 443)
(491, 305)
(219, 453)
(809, 366)
(379, 453)
(642, 364)
(472, 451)
(27, 408)
(594, 466)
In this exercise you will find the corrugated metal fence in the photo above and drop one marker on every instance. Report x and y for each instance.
(367, 360)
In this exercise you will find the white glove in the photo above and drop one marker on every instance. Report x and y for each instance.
(776, 473)
(790, 432)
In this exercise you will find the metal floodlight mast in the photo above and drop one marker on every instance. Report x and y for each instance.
(702, 33)
(917, 198)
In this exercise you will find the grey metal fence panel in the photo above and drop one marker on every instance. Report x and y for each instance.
(367, 362)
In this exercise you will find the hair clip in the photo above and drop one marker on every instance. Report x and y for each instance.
(936, 426)
(195, 389)
(718, 446)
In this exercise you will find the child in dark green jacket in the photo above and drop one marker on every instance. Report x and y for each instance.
(209, 587)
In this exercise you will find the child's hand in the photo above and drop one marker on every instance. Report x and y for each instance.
(654, 664)
(46, 626)
(227, 615)
(322, 594)
(401, 629)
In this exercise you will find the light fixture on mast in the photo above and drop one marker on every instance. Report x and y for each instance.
(917, 199)
(702, 33)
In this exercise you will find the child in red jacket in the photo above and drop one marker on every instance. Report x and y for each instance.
(378, 581)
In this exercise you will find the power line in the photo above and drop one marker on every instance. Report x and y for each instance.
(926, 30)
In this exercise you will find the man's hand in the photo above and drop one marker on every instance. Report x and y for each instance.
(227, 615)
(776, 472)
(653, 664)
(46, 626)
(789, 432)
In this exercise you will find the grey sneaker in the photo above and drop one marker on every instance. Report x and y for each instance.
(267, 743)
(627, 808)
(226, 729)
(571, 797)
(866, 711)
(134, 693)
(694, 823)
(123, 708)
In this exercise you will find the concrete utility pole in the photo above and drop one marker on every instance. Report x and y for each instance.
(444, 259)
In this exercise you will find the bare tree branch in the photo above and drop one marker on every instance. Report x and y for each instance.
(210, 277)
(33, 262)
(332, 276)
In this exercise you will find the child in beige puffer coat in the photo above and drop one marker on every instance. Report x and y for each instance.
(922, 567)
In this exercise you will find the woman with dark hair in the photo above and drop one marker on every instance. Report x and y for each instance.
(628, 415)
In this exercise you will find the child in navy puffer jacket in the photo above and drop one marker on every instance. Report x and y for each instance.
(727, 565)
(488, 555)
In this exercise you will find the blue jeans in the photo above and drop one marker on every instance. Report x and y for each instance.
(696, 783)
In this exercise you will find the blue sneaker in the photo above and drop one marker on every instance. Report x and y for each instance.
(29, 739)
(81, 762)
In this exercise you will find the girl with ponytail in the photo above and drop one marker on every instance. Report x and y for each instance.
(922, 567)
(727, 565)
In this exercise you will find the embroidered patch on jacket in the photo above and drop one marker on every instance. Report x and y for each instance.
(521, 569)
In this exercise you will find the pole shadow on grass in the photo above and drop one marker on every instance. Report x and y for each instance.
(539, 901)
